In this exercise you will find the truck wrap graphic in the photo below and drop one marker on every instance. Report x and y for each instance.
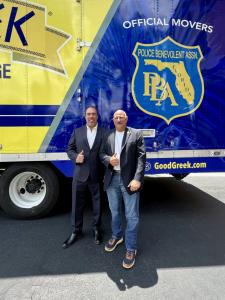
(160, 61)
(167, 81)
(39, 62)
(19, 23)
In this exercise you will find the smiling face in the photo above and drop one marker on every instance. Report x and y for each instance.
(91, 117)
(120, 120)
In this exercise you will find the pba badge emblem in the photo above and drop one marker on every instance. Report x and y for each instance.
(167, 81)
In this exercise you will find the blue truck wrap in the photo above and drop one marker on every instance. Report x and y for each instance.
(160, 61)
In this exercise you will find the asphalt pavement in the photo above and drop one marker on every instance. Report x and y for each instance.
(181, 249)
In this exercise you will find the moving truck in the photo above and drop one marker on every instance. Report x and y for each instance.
(163, 62)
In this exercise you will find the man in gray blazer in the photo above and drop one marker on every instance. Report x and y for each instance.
(123, 154)
(83, 150)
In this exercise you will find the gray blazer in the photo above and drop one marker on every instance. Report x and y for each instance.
(92, 164)
(132, 157)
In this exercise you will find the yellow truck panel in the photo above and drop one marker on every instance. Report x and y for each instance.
(42, 71)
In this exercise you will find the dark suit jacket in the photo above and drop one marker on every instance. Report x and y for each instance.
(132, 157)
(91, 165)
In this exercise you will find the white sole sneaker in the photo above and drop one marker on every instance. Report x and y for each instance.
(120, 241)
(129, 266)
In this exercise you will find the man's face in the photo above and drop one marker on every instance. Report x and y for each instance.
(91, 117)
(120, 120)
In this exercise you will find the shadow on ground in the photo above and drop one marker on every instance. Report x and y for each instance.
(181, 226)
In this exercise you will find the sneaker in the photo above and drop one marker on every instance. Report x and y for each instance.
(112, 243)
(129, 259)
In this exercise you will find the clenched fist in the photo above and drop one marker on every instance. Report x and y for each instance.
(114, 161)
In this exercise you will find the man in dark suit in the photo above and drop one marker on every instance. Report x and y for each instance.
(83, 150)
(123, 154)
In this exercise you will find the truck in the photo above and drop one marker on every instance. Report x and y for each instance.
(163, 62)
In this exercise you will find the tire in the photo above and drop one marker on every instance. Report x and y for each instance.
(179, 176)
(28, 190)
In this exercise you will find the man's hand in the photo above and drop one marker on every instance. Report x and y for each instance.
(134, 185)
(80, 157)
(114, 161)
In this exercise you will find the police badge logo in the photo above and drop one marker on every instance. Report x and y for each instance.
(167, 81)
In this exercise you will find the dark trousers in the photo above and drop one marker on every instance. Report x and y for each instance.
(79, 190)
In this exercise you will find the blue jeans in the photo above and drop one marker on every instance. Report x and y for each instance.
(116, 192)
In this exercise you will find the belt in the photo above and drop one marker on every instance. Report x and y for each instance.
(116, 171)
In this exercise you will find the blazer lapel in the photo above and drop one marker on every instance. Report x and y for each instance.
(127, 133)
(85, 137)
(112, 141)
(96, 137)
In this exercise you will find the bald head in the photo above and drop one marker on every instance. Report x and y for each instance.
(120, 112)
(120, 120)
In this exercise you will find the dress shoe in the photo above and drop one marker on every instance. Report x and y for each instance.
(97, 236)
(71, 239)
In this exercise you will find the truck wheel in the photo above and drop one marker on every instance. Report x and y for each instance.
(179, 176)
(28, 190)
